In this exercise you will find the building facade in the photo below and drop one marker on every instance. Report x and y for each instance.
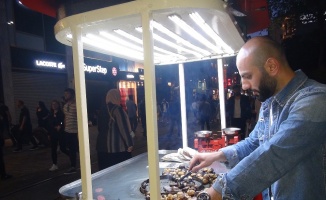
(36, 67)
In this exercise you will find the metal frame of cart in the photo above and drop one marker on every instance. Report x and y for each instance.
(199, 30)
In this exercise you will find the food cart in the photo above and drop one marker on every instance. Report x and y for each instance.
(152, 32)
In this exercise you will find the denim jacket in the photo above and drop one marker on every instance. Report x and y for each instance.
(284, 152)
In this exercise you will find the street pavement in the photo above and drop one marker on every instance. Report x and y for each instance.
(32, 179)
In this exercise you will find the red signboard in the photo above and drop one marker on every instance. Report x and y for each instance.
(46, 7)
(256, 12)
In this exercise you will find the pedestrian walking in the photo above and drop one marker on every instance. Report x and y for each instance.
(115, 138)
(25, 127)
(56, 121)
(70, 128)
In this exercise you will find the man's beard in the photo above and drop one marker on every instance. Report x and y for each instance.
(266, 87)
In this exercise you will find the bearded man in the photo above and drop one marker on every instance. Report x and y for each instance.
(283, 155)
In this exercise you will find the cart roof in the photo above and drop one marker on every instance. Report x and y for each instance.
(183, 30)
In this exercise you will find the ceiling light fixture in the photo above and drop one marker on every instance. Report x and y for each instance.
(171, 44)
(178, 39)
(129, 36)
(120, 41)
(209, 31)
(157, 49)
(192, 32)
(115, 49)
(98, 42)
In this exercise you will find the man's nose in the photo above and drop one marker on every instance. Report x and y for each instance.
(245, 85)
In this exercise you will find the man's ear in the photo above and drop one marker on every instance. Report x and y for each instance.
(272, 66)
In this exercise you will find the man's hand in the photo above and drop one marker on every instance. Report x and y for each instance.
(130, 149)
(202, 160)
(213, 194)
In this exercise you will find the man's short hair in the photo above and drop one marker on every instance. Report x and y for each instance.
(70, 91)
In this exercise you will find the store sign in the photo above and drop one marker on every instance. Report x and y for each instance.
(59, 65)
(50, 64)
(95, 69)
(129, 76)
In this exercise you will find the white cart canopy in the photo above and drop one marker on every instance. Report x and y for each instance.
(153, 32)
(183, 30)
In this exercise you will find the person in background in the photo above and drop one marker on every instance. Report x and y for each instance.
(56, 121)
(218, 114)
(42, 131)
(101, 146)
(4, 111)
(238, 109)
(142, 114)
(175, 116)
(25, 127)
(204, 113)
(42, 114)
(213, 105)
(284, 154)
(164, 110)
(71, 128)
(3, 173)
(132, 112)
(194, 109)
(115, 140)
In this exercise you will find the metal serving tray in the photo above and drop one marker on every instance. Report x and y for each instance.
(119, 182)
(123, 181)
